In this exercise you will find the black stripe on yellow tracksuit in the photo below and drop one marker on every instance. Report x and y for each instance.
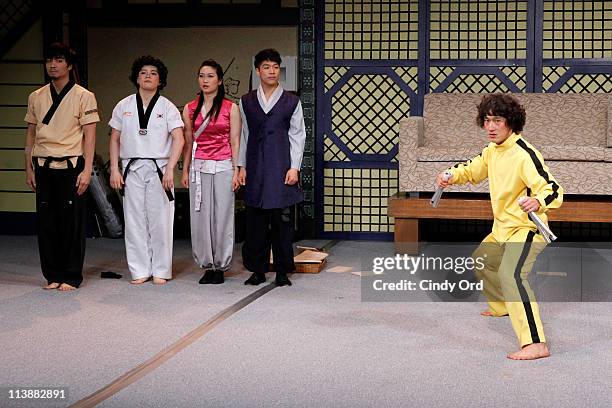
(514, 169)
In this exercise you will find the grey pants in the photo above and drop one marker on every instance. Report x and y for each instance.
(212, 228)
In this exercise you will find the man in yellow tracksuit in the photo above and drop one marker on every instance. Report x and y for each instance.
(515, 169)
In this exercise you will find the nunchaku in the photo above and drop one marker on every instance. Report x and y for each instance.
(541, 226)
(435, 200)
(546, 232)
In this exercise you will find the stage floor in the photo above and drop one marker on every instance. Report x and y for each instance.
(313, 344)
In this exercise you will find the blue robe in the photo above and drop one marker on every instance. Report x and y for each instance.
(268, 155)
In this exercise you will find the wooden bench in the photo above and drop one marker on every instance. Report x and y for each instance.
(408, 210)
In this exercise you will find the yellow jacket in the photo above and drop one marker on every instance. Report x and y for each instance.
(514, 169)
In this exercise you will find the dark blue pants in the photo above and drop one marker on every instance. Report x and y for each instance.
(265, 229)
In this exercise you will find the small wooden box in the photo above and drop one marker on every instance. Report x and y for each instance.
(309, 260)
(310, 267)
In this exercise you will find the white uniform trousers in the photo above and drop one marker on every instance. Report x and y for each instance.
(149, 219)
(212, 227)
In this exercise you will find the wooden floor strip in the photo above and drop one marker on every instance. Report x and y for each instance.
(160, 358)
(145, 368)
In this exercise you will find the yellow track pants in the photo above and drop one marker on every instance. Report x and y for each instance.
(506, 267)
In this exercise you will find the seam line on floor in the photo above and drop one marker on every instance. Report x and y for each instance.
(160, 358)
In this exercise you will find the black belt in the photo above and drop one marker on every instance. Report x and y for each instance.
(50, 159)
(159, 173)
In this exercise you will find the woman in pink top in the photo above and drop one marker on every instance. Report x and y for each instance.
(212, 137)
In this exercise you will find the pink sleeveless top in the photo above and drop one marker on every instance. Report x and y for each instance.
(214, 142)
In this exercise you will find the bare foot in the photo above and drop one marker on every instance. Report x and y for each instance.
(159, 281)
(64, 287)
(52, 285)
(138, 281)
(488, 313)
(532, 351)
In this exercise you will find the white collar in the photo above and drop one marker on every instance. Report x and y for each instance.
(268, 104)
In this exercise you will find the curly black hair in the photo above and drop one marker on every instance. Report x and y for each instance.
(269, 54)
(149, 60)
(505, 106)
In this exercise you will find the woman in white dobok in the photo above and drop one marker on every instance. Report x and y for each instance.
(212, 137)
(147, 137)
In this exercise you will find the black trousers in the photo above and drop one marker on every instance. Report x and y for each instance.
(61, 216)
(267, 228)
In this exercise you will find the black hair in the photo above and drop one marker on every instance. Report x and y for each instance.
(149, 60)
(218, 100)
(505, 106)
(61, 50)
(269, 54)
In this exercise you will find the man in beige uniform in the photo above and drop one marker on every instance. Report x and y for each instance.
(59, 151)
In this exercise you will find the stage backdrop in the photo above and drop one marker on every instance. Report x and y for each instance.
(111, 52)
(377, 59)
(21, 72)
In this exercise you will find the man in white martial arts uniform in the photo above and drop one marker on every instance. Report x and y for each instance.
(147, 135)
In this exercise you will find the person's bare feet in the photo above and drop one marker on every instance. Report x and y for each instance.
(64, 287)
(138, 281)
(159, 281)
(52, 285)
(531, 351)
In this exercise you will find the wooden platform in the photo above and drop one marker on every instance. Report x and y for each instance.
(408, 210)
